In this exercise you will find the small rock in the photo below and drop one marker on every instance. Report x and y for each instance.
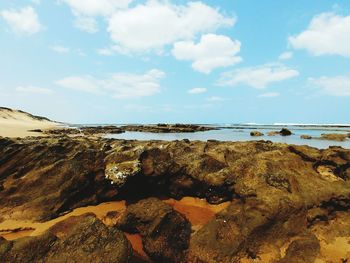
(285, 132)
(256, 133)
(305, 137)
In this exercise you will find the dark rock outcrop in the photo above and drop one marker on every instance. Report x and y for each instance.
(88, 131)
(77, 239)
(165, 233)
(282, 132)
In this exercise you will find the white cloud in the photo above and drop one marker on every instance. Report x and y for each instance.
(217, 99)
(327, 33)
(212, 51)
(153, 25)
(23, 21)
(197, 90)
(138, 107)
(33, 89)
(82, 83)
(286, 55)
(86, 11)
(334, 86)
(257, 77)
(96, 7)
(269, 95)
(119, 85)
(105, 52)
(60, 49)
(85, 23)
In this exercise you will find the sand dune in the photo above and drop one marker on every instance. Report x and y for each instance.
(16, 123)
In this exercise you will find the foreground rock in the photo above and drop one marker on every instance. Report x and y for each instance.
(42, 178)
(280, 193)
(77, 239)
(165, 233)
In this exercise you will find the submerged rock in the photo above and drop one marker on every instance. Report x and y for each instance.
(334, 136)
(305, 137)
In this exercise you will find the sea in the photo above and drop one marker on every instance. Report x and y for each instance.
(241, 132)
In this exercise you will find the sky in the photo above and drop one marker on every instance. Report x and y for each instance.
(133, 61)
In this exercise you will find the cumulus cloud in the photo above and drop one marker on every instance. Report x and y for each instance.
(197, 90)
(153, 25)
(86, 11)
(327, 34)
(334, 86)
(212, 51)
(119, 85)
(286, 55)
(257, 77)
(269, 95)
(23, 21)
(33, 89)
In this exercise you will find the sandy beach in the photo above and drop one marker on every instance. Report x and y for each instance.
(14, 123)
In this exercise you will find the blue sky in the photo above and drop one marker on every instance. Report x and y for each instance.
(125, 61)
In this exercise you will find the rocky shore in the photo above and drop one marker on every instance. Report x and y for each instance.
(285, 203)
(111, 129)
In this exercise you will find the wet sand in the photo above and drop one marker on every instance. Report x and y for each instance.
(38, 228)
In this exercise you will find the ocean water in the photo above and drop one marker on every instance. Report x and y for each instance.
(242, 133)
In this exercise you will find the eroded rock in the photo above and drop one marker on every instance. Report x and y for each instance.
(77, 239)
(165, 233)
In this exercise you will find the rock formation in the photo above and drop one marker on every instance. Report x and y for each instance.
(77, 239)
(281, 195)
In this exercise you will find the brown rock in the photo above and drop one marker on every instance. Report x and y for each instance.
(285, 132)
(305, 137)
(77, 239)
(256, 133)
(165, 233)
(334, 137)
